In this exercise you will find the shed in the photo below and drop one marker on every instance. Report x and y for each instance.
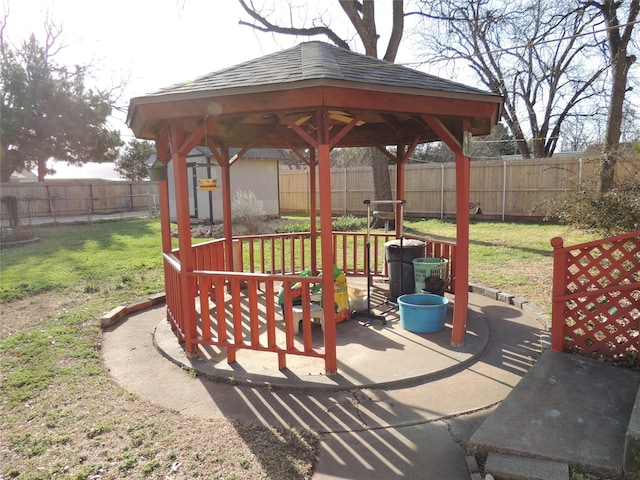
(256, 171)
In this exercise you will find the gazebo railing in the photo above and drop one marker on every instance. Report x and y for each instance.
(173, 295)
(239, 309)
(289, 253)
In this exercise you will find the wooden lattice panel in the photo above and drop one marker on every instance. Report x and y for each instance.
(602, 297)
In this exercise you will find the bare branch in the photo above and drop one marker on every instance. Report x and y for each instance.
(362, 18)
(397, 30)
(264, 25)
(52, 32)
(3, 25)
(535, 55)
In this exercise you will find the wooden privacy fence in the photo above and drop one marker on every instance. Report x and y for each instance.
(596, 296)
(22, 203)
(504, 189)
(500, 189)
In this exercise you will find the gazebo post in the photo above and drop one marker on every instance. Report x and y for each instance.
(163, 191)
(165, 217)
(227, 220)
(187, 264)
(326, 238)
(463, 181)
(313, 212)
(401, 161)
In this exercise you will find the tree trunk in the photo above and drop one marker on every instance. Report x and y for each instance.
(5, 174)
(381, 184)
(364, 22)
(361, 14)
(42, 170)
(611, 148)
(620, 63)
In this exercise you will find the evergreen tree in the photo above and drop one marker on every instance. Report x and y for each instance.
(132, 164)
(46, 112)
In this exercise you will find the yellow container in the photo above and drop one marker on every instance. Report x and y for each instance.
(208, 183)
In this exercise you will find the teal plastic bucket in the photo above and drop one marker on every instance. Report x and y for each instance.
(422, 312)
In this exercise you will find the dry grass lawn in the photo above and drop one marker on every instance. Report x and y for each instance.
(89, 428)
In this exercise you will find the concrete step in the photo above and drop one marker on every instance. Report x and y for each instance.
(632, 440)
(569, 409)
(512, 467)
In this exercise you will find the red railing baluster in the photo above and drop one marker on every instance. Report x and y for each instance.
(221, 310)
(254, 322)
(205, 314)
(271, 318)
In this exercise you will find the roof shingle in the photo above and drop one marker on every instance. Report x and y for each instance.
(317, 61)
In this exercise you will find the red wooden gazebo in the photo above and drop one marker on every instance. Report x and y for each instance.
(313, 97)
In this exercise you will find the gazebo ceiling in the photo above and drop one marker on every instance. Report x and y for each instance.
(274, 100)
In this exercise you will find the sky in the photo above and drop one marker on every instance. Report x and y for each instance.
(150, 43)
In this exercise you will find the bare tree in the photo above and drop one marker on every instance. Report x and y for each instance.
(350, 157)
(361, 15)
(618, 39)
(577, 133)
(630, 124)
(531, 52)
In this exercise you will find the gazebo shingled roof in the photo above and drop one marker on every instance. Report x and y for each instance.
(318, 97)
(318, 60)
(302, 78)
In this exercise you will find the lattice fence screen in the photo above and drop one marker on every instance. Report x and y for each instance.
(602, 297)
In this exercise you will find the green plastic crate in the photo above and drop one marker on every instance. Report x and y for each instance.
(428, 267)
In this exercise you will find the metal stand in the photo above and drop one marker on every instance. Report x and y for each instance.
(368, 314)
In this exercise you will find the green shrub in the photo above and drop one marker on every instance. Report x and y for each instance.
(610, 213)
(349, 223)
(249, 211)
(293, 227)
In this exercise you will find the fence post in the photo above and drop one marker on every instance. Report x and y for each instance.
(579, 170)
(90, 204)
(49, 209)
(504, 188)
(344, 197)
(558, 291)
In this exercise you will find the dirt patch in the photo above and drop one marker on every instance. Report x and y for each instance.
(32, 312)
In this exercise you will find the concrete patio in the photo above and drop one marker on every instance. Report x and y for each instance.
(405, 405)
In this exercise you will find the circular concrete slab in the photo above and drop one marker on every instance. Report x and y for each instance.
(381, 355)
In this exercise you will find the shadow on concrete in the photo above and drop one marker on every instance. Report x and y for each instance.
(375, 419)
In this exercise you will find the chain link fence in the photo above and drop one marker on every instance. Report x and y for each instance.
(25, 204)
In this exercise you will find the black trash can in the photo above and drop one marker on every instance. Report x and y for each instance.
(400, 255)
